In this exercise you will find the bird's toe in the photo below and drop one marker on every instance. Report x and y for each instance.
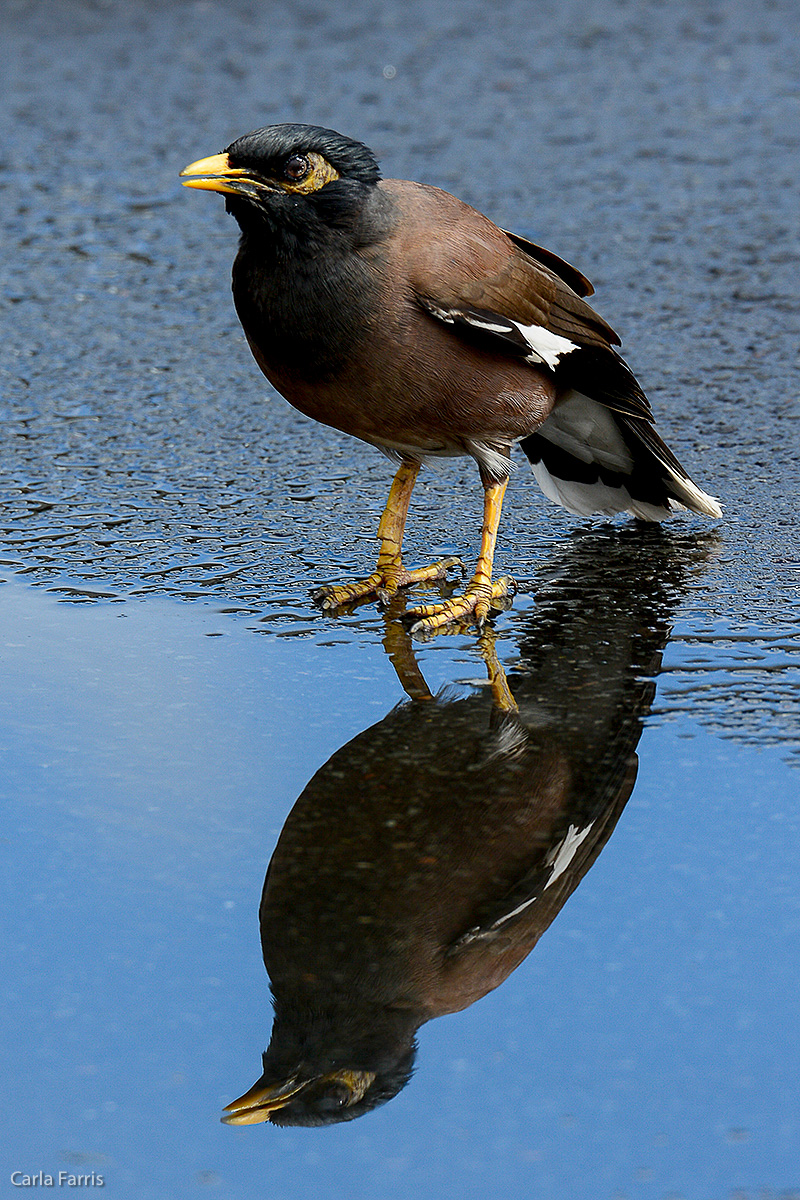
(471, 608)
(384, 583)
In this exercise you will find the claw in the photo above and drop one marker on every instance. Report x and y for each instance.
(477, 601)
(383, 583)
(331, 596)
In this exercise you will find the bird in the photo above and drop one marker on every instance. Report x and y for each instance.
(395, 312)
(424, 860)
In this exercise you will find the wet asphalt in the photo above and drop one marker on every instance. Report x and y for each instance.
(656, 146)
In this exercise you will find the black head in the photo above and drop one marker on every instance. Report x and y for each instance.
(273, 151)
(329, 1062)
(284, 174)
(306, 1098)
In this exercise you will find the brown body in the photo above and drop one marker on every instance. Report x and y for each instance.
(430, 400)
(407, 832)
(400, 315)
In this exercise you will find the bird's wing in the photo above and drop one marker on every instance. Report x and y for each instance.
(515, 298)
(564, 270)
(530, 906)
(529, 891)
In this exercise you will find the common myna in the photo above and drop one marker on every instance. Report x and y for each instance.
(424, 860)
(395, 312)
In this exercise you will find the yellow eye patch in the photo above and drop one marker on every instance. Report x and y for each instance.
(321, 173)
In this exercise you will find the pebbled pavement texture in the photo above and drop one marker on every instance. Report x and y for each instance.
(655, 146)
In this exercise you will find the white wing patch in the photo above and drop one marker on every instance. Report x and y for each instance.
(562, 855)
(585, 431)
(547, 348)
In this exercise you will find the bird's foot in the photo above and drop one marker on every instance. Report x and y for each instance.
(384, 582)
(471, 608)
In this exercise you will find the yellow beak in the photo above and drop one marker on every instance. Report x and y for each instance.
(220, 176)
(256, 1105)
(260, 1102)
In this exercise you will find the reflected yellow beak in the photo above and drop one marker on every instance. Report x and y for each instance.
(219, 176)
(255, 1106)
(260, 1102)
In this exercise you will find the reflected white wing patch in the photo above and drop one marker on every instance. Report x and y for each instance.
(562, 855)
(558, 860)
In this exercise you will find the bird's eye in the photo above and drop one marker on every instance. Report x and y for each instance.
(296, 167)
(335, 1098)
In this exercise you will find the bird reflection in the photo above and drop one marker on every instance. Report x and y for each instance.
(425, 859)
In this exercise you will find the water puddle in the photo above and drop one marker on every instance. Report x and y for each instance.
(590, 775)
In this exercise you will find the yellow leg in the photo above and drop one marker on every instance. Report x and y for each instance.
(480, 593)
(389, 573)
(501, 692)
(400, 649)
